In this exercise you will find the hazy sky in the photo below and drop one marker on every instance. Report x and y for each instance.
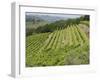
(55, 15)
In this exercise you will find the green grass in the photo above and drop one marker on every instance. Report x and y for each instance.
(35, 25)
(85, 23)
(69, 46)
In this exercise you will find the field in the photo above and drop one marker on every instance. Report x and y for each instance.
(62, 47)
(30, 24)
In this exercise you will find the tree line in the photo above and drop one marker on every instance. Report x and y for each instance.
(61, 24)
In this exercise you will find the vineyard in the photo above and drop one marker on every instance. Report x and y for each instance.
(64, 46)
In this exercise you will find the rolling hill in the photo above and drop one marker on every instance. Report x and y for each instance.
(64, 46)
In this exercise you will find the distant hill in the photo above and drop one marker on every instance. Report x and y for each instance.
(39, 18)
(32, 18)
(50, 18)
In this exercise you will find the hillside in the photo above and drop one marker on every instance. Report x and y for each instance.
(68, 46)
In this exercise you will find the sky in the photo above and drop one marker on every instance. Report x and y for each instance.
(51, 14)
(52, 17)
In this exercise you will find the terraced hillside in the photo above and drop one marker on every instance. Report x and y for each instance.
(64, 46)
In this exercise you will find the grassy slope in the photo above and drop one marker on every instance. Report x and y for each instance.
(85, 23)
(36, 25)
(67, 46)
